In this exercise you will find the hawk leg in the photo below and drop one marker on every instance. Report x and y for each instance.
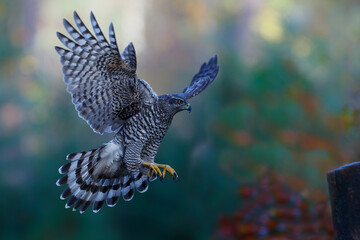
(155, 167)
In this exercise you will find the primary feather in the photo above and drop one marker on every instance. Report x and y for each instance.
(103, 83)
(203, 78)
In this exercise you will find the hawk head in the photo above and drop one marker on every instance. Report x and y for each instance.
(173, 103)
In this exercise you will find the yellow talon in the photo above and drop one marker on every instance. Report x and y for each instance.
(167, 168)
(154, 167)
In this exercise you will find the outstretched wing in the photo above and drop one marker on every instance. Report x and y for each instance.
(102, 82)
(202, 79)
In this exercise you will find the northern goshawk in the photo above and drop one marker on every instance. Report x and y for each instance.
(110, 97)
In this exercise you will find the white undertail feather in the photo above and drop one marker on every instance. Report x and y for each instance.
(93, 177)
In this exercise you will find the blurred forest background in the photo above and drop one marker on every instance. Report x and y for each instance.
(253, 154)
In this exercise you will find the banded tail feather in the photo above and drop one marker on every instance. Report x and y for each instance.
(97, 177)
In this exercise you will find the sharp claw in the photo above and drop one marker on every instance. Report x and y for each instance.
(160, 175)
(162, 180)
(175, 177)
(154, 169)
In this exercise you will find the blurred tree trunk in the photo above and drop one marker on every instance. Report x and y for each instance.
(344, 190)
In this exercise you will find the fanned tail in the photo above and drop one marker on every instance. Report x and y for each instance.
(89, 183)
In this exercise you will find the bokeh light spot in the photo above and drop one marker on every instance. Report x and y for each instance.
(28, 64)
(11, 116)
(268, 24)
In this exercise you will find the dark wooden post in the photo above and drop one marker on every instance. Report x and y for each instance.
(344, 189)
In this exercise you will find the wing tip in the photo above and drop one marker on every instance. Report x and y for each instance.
(111, 27)
(206, 74)
(93, 21)
(77, 17)
(213, 61)
(75, 14)
(65, 22)
(129, 49)
(215, 57)
(58, 34)
(58, 50)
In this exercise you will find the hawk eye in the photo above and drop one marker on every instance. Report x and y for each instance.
(180, 101)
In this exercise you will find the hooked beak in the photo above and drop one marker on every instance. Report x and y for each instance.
(188, 107)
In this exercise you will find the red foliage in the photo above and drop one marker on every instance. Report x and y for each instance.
(272, 209)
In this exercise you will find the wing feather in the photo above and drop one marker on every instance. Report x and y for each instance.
(203, 78)
(74, 33)
(112, 38)
(100, 36)
(102, 83)
(129, 56)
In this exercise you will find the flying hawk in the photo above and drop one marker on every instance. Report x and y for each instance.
(110, 97)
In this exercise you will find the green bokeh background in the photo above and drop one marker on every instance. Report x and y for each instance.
(286, 98)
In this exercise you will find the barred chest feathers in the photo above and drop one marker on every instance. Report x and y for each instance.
(149, 126)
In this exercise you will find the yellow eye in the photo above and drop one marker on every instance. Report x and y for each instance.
(180, 101)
